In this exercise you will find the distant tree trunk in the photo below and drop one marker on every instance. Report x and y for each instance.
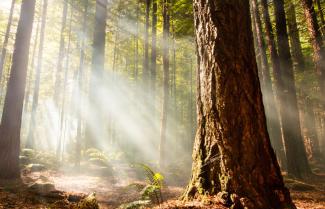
(80, 79)
(13, 107)
(297, 162)
(297, 55)
(32, 66)
(312, 142)
(232, 155)
(321, 15)
(30, 137)
(66, 70)
(5, 42)
(97, 71)
(61, 53)
(145, 73)
(136, 37)
(273, 120)
(318, 49)
(154, 48)
(163, 128)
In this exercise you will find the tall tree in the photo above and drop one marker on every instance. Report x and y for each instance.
(321, 15)
(145, 73)
(13, 107)
(61, 52)
(297, 55)
(6, 39)
(271, 110)
(30, 138)
(98, 61)
(163, 128)
(297, 163)
(154, 47)
(233, 156)
(319, 55)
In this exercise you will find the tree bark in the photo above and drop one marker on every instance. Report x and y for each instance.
(163, 128)
(5, 42)
(297, 55)
(297, 162)
(13, 107)
(30, 137)
(232, 155)
(273, 121)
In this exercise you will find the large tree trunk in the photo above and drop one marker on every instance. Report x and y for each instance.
(297, 162)
(318, 49)
(273, 121)
(97, 71)
(13, 107)
(58, 76)
(232, 154)
(163, 128)
(6, 40)
(297, 55)
(30, 137)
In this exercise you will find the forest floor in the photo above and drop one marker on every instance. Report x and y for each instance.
(113, 192)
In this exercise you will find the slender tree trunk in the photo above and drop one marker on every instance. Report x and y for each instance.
(97, 71)
(137, 44)
(145, 73)
(321, 15)
(273, 120)
(32, 66)
(297, 55)
(13, 107)
(30, 137)
(66, 70)
(319, 60)
(232, 155)
(80, 79)
(61, 53)
(154, 49)
(163, 128)
(6, 40)
(297, 162)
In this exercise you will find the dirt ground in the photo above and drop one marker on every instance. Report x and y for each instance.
(112, 192)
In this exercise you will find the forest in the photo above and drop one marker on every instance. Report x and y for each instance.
(162, 104)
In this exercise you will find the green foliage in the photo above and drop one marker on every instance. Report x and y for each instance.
(151, 191)
(47, 159)
(96, 157)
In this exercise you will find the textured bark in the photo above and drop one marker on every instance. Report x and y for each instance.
(273, 121)
(233, 156)
(30, 137)
(297, 162)
(297, 55)
(163, 128)
(58, 76)
(97, 71)
(13, 107)
(6, 39)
